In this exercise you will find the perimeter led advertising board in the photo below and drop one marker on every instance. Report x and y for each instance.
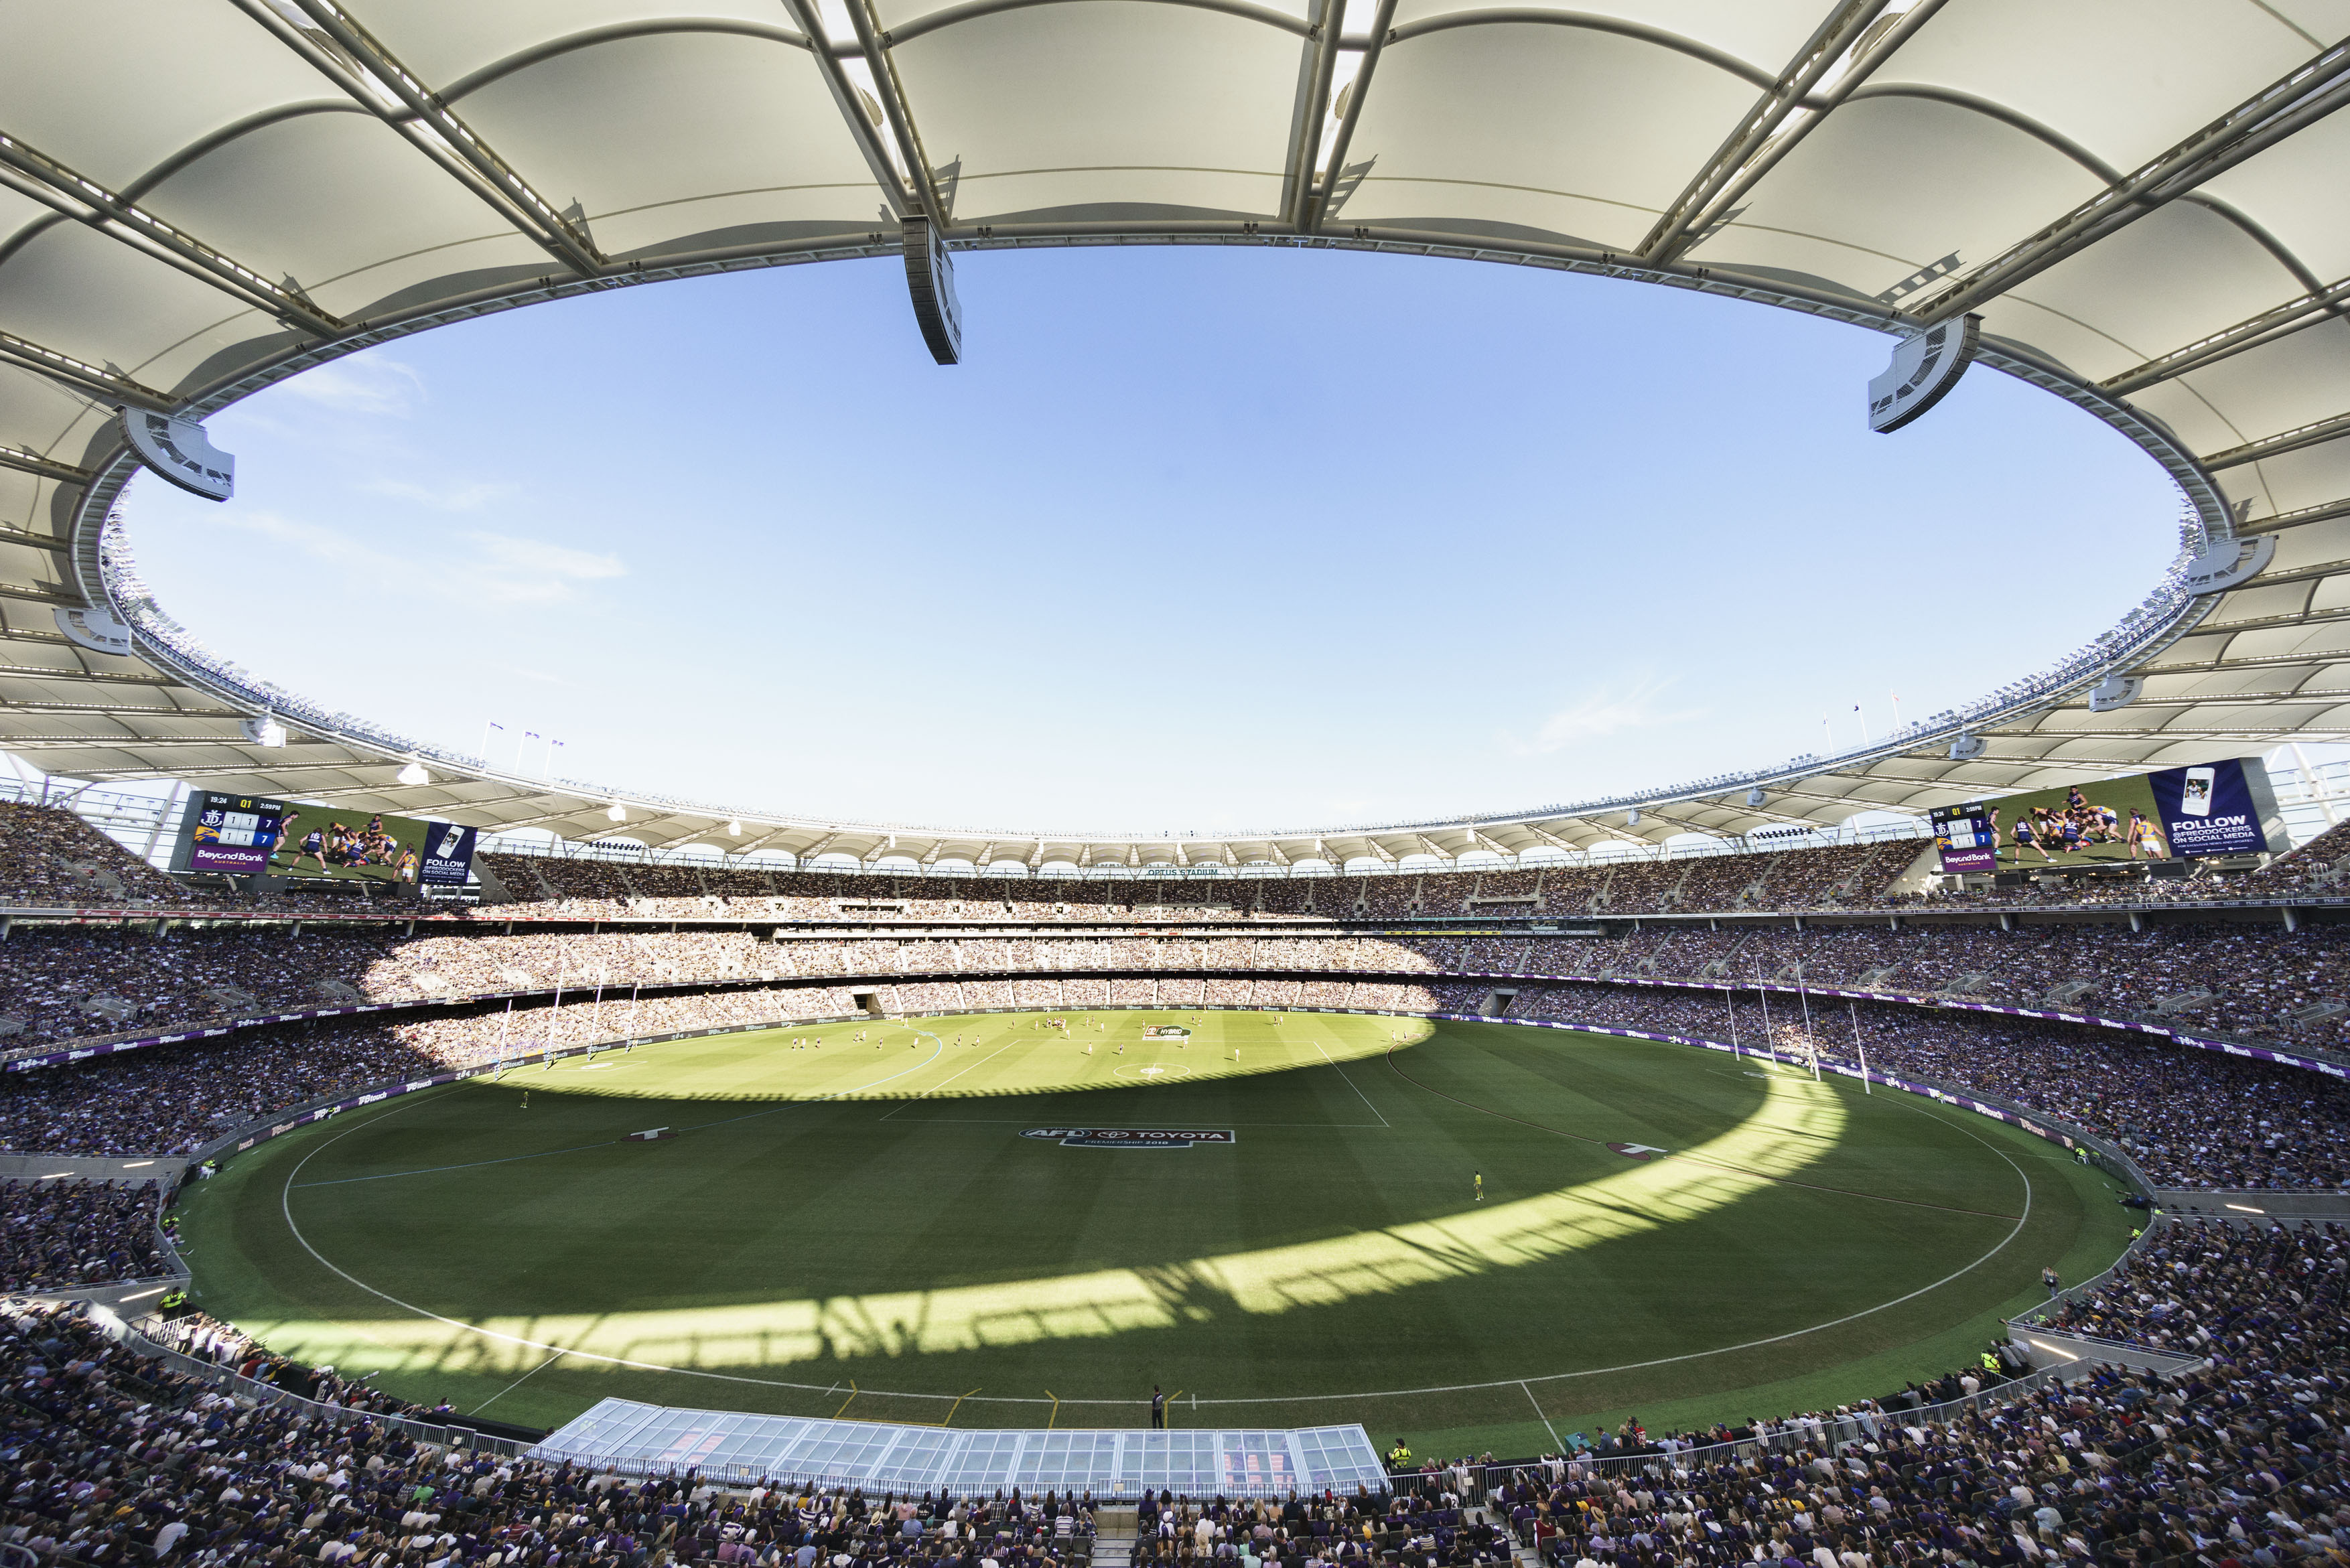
(246, 838)
(2215, 808)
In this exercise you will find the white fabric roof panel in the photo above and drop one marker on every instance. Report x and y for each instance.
(1105, 110)
(251, 187)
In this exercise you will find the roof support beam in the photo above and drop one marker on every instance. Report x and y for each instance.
(110, 387)
(2313, 661)
(896, 110)
(102, 677)
(853, 105)
(349, 57)
(1306, 149)
(2266, 327)
(2277, 523)
(40, 595)
(1552, 839)
(1787, 113)
(2307, 95)
(2280, 443)
(85, 200)
(117, 709)
(1382, 23)
(241, 771)
(26, 461)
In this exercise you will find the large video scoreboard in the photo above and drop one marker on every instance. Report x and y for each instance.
(252, 835)
(2226, 807)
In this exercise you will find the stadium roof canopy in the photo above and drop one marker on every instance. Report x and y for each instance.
(2143, 200)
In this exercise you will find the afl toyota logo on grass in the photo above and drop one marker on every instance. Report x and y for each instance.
(1129, 1138)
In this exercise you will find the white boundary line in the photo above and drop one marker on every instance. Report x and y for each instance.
(518, 1382)
(286, 1209)
(1352, 1085)
(949, 1078)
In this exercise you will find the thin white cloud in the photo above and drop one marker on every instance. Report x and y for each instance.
(318, 542)
(501, 569)
(553, 561)
(1605, 712)
(443, 497)
(365, 384)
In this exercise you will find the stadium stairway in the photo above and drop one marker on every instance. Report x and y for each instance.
(1113, 1532)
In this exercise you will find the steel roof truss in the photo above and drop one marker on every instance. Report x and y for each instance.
(109, 387)
(1772, 126)
(894, 109)
(84, 200)
(2283, 441)
(2299, 99)
(347, 54)
(47, 468)
(2266, 327)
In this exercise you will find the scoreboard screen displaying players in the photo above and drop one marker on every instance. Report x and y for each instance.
(247, 836)
(2214, 808)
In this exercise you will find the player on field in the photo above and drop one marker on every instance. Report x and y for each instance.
(313, 850)
(2143, 832)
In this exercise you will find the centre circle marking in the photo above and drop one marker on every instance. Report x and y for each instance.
(1154, 1072)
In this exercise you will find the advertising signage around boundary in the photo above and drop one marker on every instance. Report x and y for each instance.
(246, 836)
(2213, 808)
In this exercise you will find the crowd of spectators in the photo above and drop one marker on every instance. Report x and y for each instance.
(1314, 1530)
(2246, 979)
(175, 1098)
(2201, 1287)
(2236, 1465)
(2259, 980)
(50, 857)
(2236, 1460)
(64, 1233)
(2189, 1118)
(118, 1459)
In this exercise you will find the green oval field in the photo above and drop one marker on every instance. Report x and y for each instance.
(872, 1228)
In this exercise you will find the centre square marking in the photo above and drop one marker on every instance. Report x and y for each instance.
(1132, 1137)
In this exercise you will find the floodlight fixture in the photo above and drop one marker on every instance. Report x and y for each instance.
(617, 812)
(264, 730)
(413, 774)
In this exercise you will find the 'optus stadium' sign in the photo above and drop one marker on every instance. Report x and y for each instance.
(1130, 1138)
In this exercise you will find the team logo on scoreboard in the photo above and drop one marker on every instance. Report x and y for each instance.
(1131, 1138)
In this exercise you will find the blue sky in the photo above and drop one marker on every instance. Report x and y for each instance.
(1201, 537)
